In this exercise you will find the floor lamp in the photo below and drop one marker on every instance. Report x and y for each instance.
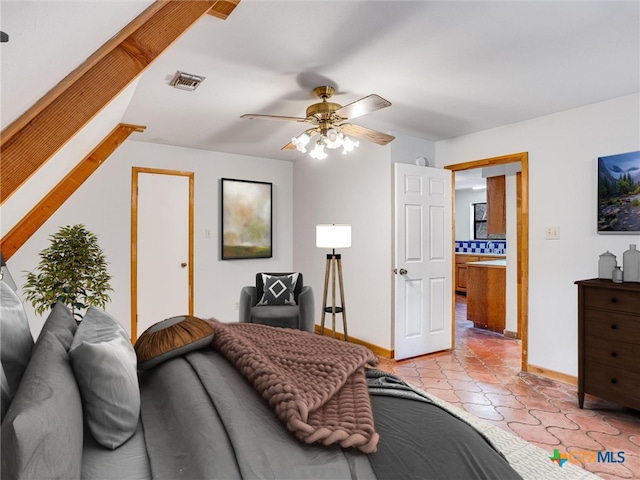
(333, 236)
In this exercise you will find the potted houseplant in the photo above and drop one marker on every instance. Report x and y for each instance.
(72, 270)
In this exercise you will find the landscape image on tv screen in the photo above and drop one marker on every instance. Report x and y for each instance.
(619, 193)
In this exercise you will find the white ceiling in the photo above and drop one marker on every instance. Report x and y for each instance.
(449, 68)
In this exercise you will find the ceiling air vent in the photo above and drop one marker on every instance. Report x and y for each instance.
(186, 81)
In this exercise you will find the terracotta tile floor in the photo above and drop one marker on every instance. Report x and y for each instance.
(482, 375)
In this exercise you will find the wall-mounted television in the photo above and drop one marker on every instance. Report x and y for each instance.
(619, 193)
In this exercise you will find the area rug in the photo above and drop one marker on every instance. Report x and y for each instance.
(530, 461)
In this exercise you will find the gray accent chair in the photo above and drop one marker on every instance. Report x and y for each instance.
(300, 316)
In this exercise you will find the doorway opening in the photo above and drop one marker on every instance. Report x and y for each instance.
(521, 244)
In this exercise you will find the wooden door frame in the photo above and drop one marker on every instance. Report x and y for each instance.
(522, 238)
(135, 171)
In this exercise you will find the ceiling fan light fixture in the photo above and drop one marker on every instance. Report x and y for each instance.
(329, 122)
(301, 142)
(333, 138)
(318, 151)
(348, 145)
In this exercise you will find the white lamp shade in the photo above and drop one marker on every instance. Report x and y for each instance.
(333, 236)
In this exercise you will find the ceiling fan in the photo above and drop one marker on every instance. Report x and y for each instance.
(331, 121)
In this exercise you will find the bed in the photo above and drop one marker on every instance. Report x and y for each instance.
(222, 403)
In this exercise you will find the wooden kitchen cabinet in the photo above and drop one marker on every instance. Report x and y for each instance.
(461, 271)
(461, 268)
(496, 205)
(609, 341)
(486, 295)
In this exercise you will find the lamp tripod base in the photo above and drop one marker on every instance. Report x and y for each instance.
(334, 266)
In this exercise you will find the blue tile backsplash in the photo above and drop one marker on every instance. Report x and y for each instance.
(491, 247)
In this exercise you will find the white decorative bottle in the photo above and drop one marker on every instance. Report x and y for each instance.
(606, 264)
(617, 275)
(631, 264)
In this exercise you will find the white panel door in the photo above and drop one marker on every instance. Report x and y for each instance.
(163, 248)
(423, 260)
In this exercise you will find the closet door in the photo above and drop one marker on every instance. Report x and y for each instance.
(162, 247)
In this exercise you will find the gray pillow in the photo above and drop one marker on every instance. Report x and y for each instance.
(5, 398)
(61, 324)
(104, 363)
(16, 342)
(42, 432)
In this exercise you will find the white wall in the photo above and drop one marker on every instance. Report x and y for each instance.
(464, 199)
(406, 149)
(353, 189)
(356, 189)
(103, 204)
(563, 150)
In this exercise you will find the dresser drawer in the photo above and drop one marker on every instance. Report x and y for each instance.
(613, 384)
(612, 326)
(619, 355)
(610, 299)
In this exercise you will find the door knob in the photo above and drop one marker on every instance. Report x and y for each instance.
(183, 264)
(402, 271)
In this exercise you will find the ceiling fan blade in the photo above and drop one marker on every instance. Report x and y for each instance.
(291, 146)
(365, 105)
(367, 134)
(255, 116)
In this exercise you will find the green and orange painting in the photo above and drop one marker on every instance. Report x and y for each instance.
(246, 219)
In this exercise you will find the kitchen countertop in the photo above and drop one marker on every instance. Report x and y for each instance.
(500, 255)
(489, 263)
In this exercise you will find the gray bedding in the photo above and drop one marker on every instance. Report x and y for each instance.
(127, 461)
(202, 420)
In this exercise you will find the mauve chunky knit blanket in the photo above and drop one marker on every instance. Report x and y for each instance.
(316, 385)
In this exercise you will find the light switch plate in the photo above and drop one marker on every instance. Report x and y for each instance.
(552, 233)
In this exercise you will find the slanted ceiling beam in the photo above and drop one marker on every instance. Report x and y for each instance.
(44, 129)
(39, 214)
(223, 8)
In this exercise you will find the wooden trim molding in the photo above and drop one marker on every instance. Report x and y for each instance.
(522, 237)
(45, 128)
(553, 375)
(382, 352)
(39, 214)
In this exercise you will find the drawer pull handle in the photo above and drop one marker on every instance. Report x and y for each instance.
(614, 381)
(614, 354)
(614, 327)
(614, 300)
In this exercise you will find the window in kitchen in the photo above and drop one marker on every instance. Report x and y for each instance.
(479, 214)
(479, 221)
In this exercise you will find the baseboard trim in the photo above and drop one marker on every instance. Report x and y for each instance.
(553, 375)
(382, 352)
(511, 334)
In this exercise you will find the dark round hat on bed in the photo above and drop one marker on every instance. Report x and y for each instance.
(170, 338)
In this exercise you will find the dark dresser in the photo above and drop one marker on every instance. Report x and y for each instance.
(609, 341)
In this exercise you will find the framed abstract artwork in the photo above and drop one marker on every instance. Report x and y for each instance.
(246, 217)
(619, 193)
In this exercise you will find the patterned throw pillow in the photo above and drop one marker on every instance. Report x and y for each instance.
(279, 289)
